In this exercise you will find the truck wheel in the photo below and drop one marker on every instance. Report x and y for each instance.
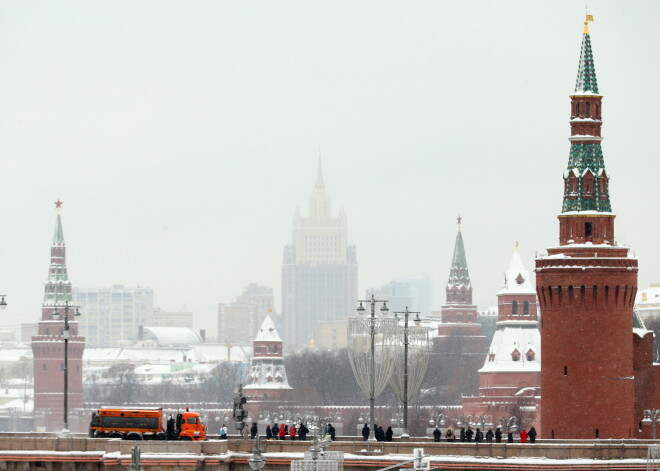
(116, 435)
(133, 436)
(188, 439)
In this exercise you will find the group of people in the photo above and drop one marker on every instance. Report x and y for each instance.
(381, 435)
(467, 435)
(282, 431)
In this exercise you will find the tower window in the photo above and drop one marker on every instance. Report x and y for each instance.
(43, 367)
(588, 113)
(577, 109)
(515, 356)
(566, 371)
(514, 308)
(526, 308)
(588, 229)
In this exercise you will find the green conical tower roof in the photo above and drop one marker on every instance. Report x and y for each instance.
(586, 79)
(58, 286)
(58, 235)
(458, 273)
(585, 179)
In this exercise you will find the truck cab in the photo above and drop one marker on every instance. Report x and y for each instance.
(192, 427)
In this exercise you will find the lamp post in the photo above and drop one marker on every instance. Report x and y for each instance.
(256, 460)
(652, 416)
(372, 362)
(437, 420)
(3, 303)
(509, 424)
(404, 396)
(482, 421)
(65, 335)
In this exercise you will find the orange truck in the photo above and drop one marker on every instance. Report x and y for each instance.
(146, 424)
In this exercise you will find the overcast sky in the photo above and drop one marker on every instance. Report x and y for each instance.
(181, 136)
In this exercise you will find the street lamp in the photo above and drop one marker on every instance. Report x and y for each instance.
(256, 460)
(438, 420)
(371, 375)
(509, 424)
(408, 376)
(482, 421)
(3, 303)
(65, 335)
(652, 416)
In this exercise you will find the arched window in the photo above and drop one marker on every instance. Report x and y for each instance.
(526, 308)
(515, 356)
(529, 355)
(514, 308)
(43, 367)
(577, 109)
(566, 371)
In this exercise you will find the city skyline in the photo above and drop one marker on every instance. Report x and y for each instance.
(181, 162)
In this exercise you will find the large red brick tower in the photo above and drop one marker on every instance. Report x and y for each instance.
(48, 345)
(586, 287)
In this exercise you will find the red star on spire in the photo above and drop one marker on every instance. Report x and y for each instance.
(58, 204)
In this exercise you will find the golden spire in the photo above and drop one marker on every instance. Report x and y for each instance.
(458, 220)
(516, 246)
(586, 23)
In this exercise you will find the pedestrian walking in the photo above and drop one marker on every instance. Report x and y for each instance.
(269, 433)
(468, 434)
(254, 430)
(389, 434)
(462, 434)
(498, 435)
(303, 431)
(223, 432)
(437, 434)
(523, 436)
(282, 433)
(330, 430)
(509, 437)
(489, 435)
(292, 432)
(532, 435)
(478, 436)
(246, 432)
(449, 434)
(365, 432)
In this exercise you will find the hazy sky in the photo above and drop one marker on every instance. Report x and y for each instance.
(181, 136)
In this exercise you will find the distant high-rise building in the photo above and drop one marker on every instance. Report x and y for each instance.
(414, 292)
(113, 314)
(48, 344)
(319, 273)
(164, 318)
(239, 322)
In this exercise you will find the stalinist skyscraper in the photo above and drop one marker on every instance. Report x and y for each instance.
(319, 273)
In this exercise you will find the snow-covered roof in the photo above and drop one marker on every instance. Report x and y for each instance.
(268, 332)
(171, 336)
(517, 279)
(648, 297)
(509, 337)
